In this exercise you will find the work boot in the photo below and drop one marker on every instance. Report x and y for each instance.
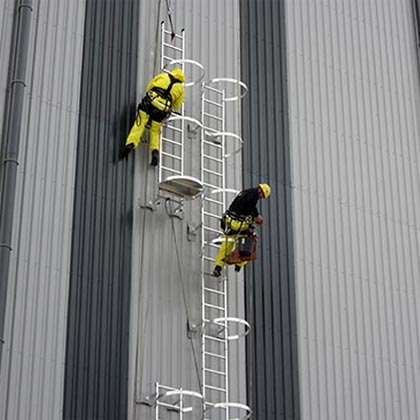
(237, 268)
(155, 157)
(127, 149)
(217, 271)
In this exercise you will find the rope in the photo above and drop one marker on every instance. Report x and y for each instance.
(197, 369)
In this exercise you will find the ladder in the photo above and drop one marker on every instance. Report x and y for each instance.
(171, 177)
(214, 343)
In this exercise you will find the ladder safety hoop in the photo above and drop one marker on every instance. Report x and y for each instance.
(193, 63)
(222, 321)
(227, 80)
(224, 134)
(239, 406)
(185, 118)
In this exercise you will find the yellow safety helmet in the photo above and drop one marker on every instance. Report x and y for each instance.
(178, 74)
(266, 190)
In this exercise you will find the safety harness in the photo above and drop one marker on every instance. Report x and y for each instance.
(157, 102)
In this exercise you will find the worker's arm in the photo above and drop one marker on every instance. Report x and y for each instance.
(179, 95)
(160, 80)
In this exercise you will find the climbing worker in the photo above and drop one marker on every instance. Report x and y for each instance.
(237, 221)
(164, 93)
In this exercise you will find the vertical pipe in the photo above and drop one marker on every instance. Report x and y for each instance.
(10, 163)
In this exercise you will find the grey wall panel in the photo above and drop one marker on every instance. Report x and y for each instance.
(272, 345)
(354, 128)
(6, 30)
(99, 301)
(161, 350)
(32, 375)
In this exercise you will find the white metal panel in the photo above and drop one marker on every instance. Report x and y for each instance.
(32, 373)
(354, 103)
(212, 39)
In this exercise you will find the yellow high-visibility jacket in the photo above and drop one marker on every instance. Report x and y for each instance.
(163, 81)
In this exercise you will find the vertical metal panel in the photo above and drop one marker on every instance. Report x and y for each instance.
(272, 346)
(99, 302)
(6, 30)
(167, 262)
(354, 129)
(31, 381)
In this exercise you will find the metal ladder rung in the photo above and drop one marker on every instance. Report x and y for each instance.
(218, 308)
(208, 258)
(209, 101)
(214, 89)
(163, 404)
(214, 388)
(170, 155)
(172, 47)
(215, 117)
(220, 340)
(212, 172)
(217, 372)
(172, 127)
(217, 356)
(167, 168)
(209, 229)
(215, 291)
(211, 185)
(207, 213)
(170, 33)
(212, 144)
(175, 143)
(214, 159)
(212, 200)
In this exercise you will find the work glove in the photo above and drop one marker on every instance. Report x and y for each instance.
(259, 220)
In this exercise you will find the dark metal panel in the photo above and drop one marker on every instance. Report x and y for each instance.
(271, 305)
(96, 380)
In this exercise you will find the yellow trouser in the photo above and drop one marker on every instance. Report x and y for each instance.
(137, 131)
(226, 248)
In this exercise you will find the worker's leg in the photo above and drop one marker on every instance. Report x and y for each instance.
(136, 132)
(154, 135)
(225, 249)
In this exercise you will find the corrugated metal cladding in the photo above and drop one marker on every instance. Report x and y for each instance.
(272, 345)
(6, 32)
(32, 368)
(166, 262)
(354, 97)
(100, 278)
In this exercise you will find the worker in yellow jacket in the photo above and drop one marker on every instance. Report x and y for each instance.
(164, 93)
(237, 220)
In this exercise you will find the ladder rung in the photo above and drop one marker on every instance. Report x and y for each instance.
(219, 308)
(212, 200)
(172, 127)
(217, 292)
(215, 159)
(175, 143)
(217, 356)
(215, 117)
(214, 388)
(207, 213)
(170, 155)
(209, 229)
(212, 144)
(209, 101)
(217, 372)
(170, 33)
(168, 169)
(209, 337)
(212, 172)
(172, 47)
(213, 89)
(208, 259)
(211, 185)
